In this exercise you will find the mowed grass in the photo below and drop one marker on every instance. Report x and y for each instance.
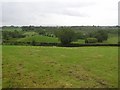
(60, 67)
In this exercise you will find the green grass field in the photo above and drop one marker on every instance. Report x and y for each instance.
(112, 39)
(39, 38)
(60, 67)
(30, 33)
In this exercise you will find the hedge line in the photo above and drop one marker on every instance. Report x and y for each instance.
(56, 44)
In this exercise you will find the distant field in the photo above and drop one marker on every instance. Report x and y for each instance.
(39, 38)
(30, 33)
(80, 67)
(113, 38)
(79, 41)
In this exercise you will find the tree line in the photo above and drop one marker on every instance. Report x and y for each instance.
(66, 35)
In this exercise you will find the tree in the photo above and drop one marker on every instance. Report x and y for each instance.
(28, 28)
(41, 32)
(15, 34)
(33, 43)
(66, 36)
(101, 35)
(80, 35)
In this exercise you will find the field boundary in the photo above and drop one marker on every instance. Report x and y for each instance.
(57, 44)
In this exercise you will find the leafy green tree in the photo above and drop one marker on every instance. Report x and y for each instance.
(101, 35)
(33, 43)
(28, 28)
(6, 35)
(41, 32)
(66, 36)
(80, 35)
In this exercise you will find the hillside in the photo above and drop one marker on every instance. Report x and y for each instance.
(39, 38)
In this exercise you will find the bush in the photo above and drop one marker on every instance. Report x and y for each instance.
(80, 35)
(8, 35)
(118, 42)
(33, 43)
(66, 36)
(101, 35)
(91, 40)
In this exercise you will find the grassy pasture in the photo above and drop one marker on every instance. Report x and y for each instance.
(80, 67)
(30, 33)
(79, 41)
(39, 38)
(112, 39)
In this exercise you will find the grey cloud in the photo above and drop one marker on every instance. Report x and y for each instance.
(24, 13)
(51, 12)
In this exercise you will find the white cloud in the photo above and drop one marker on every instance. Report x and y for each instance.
(60, 12)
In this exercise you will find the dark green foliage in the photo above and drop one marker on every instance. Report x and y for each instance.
(101, 35)
(66, 36)
(33, 43)
(8, 35)
(27, 28)
(14, 33)
(41, 32)
(91, 40)
(91, 34)
(118, 32)
(80, 35)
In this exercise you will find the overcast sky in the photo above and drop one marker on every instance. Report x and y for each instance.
(59, 12)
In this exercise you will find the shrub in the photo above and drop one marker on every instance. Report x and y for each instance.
(101, 35)
(33, 43)
(66, 36)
